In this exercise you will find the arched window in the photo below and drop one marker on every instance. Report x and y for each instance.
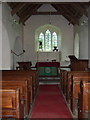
(48, 42)
(47, 38)
(54, 40)
(41, 41)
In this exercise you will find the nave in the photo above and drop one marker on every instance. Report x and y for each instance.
(23, 96)
(38, 38)
(50, 103)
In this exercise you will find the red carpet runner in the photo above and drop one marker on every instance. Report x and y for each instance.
(50, 103)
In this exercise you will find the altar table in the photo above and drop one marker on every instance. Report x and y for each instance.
(47, 68)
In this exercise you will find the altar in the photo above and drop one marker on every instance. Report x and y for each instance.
(47, 68)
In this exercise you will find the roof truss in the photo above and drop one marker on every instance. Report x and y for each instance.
(72, 11)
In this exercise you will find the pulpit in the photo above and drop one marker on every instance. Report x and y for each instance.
(48, 68)
(24, 65)
(78, 64)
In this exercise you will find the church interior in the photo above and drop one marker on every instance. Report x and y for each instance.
(45, 60)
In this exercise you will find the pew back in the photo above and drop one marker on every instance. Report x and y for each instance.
(69, 80)
(75, 89)
(84, 100)
(11, 105)
(27, 73)
(24, 90)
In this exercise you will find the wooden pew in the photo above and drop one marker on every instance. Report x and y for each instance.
(63, 79)
(69, 80)
(11, 106)
(20, 77)
(32, 73)
(75, 89)
(84, 100)
(24, 90)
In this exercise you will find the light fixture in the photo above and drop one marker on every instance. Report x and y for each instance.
(84, 22)
(69, 23)
(17, 54)
(50, 18)
(14, 21)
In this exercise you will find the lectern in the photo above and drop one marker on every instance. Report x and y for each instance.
(24, 65)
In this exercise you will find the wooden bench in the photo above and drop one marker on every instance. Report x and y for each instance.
(20, 77)
(63, 76)
(84, 100)
(69, 81)
(32, 73)
(75, 89)
(24, 91)
(11, 106)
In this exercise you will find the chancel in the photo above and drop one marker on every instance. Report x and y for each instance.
(45, 70)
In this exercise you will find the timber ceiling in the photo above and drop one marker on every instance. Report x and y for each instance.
(72, 11)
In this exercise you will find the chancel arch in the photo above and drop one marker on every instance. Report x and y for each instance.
(48, 38)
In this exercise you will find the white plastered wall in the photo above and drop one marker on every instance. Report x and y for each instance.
(82, 31)
(10, 32)
(36, 21)
(0, 36)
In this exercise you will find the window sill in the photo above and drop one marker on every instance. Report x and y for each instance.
(47, 51)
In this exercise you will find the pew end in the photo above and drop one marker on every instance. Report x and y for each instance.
(84, 100)
(11, 105)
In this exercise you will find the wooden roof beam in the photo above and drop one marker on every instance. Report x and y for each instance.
(48, 13)
(70, 21)
(56, 2)
(71, 18)
(67, 10)
(65, 16)
(80, 9)
(23, 19)
(84, 10)
(71, 15)
(24, 9)
(17, 8)
(27, 11)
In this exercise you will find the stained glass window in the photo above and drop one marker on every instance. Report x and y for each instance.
(41, 41)
(54, 40)
(47, 41)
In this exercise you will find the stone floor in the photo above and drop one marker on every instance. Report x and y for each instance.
(49, 80)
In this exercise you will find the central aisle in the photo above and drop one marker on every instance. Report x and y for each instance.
(50, 103)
